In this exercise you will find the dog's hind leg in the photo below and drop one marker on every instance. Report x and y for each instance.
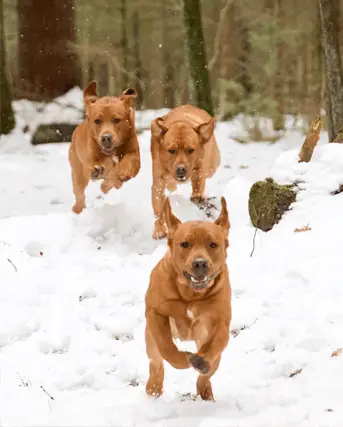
(154, 385)
(80, 182)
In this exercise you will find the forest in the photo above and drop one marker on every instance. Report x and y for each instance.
(264, 58)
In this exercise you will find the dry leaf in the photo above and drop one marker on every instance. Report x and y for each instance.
(305, 228)
(297, 372)
(337, 352)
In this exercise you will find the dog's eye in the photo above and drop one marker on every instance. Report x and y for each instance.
(116, 120)
(213, 245)
(190, 150)
(184, 244)
(171, 151)
(97, 121)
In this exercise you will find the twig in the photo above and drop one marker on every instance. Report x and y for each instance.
(216, 48)
(253, 243)
(15, 268)
(52, 398)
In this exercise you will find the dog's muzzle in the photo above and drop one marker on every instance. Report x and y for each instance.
(200, 283)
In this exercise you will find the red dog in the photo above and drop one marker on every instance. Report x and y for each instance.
(105, 145)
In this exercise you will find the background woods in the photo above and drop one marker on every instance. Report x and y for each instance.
(262, 58)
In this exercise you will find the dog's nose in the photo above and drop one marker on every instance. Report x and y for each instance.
(181, 172)
(106, 140)
(200, 267)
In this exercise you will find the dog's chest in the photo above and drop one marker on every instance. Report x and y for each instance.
(188, 328)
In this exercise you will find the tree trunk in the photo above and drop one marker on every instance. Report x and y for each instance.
(279, 118)
(47, 65)
(168, 87)
(124, 43)
(138, 62)
(333, 66)
(7, 121)
(197, 54)
(244, 57)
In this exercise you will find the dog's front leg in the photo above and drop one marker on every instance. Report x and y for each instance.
(206, 360)
(215, 345)
(159, 329)
(128, 166)
(110, 176)
(198, 185)
(157, 199)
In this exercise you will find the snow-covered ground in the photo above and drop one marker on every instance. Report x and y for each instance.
(72, 293)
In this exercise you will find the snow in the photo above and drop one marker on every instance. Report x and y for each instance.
(72, 292)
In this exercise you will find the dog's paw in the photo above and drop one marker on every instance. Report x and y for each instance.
(198, 199)
(199, 363)
(97, 172)
(124, 178)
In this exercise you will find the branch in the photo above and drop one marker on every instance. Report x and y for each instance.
(216, 47)
(311, 140)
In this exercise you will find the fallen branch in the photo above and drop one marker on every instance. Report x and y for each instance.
(295, 373)
(311, 140)
(52, 398)
(15, 268)
(253, 243)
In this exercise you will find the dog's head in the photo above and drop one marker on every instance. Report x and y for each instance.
(198, 248)
(110, 119)
(181, 145)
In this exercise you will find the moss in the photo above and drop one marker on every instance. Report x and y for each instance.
(268, 201)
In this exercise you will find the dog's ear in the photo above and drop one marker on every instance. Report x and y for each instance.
(205, 130)
(223, 220)
(128, 95)
(170, 219)
(158, 127)
(89, 94)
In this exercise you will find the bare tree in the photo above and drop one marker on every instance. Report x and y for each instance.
(47, 65)
(7, 121)
(197, 54)
(333, 65)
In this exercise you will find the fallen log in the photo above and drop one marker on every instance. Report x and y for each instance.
(53, 132)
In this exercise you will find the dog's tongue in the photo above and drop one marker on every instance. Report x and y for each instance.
(200, 278)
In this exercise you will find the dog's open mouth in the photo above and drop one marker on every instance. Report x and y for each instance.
(181, 178)
(198, 284)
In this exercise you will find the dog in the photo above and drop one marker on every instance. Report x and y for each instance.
(105, 145)
(189, 298)
(183, 147)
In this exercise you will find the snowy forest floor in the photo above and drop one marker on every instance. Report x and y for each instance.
(72, 292)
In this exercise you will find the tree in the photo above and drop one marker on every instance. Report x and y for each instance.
(47, 65)
(333, 65)
(197, 55)
(7, 121)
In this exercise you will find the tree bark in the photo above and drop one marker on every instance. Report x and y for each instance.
(7, 121)
(47, 65)
(197, 54)
(138, 62)
(333, 66)
(168, 87)
(124, 43)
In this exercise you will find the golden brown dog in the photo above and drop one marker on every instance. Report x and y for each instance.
(105, 145)
(189, 298)
(183, 147)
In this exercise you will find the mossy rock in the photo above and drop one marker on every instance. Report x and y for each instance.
(268, 201)
(54, 132)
